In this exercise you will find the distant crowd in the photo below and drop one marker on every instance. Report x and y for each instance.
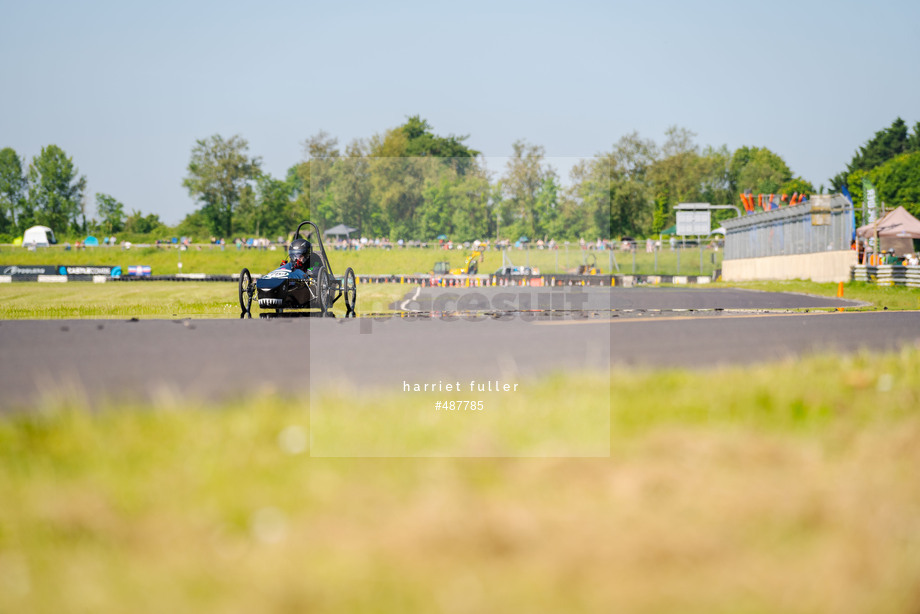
(624, 244)
(866, 254)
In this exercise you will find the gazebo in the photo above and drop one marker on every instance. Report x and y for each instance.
(898, 230)
(339, 231)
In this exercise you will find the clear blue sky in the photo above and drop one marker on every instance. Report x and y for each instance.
(126, 88)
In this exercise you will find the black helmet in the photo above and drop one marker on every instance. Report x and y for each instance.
(300, 252)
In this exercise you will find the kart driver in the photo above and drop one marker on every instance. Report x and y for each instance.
(299, 255)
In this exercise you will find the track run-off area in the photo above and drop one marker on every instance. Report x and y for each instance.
(441, 334)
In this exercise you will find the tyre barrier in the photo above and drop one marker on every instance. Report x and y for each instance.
(887, 274)
(428, 281)
(183, 277)
(547, 279)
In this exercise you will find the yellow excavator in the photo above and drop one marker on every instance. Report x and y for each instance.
(589, 267)
(470, 267)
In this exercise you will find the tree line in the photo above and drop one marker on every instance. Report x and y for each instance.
(411, 183)
(52, 192)
(890, 160)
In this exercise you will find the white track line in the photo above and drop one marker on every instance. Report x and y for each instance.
(403, 304)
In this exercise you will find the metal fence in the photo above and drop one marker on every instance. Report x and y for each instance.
(822, 223)
(691, 257)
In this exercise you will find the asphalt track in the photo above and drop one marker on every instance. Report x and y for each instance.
(94, 362)
(618, 299)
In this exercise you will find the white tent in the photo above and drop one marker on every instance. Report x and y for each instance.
(340, 231)
(38, 236)
(896, 231)
(896, 223)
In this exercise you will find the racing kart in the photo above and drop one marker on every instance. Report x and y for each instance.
(290, 288)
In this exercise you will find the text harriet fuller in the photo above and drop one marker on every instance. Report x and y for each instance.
(474, 386)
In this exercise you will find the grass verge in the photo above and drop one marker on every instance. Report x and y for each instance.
(878, 297)
(790, 487)
(153, 299)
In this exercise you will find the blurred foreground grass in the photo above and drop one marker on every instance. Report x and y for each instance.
(789, 487)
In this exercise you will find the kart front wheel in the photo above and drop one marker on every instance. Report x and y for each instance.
(351, 291)
(246, 291)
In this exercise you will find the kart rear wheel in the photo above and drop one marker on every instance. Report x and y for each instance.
(246, 291)
(350, 291)
(322, 290)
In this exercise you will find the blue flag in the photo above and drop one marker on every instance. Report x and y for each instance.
(846, 193)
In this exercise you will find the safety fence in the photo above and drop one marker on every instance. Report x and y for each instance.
(532, 280)
(887, 275)
(823, 223)
(468, 281)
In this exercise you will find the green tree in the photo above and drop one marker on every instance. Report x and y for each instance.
(885, 145)
(455, 205)
(421, 141)
(631, 192)
(315, 174)
(218, 173)
(195, 225)
(111, 213)
(410, 176)
(525, 178)
(398, 187)
(677, 174)
(395, 184)
(584, 207)
(898, 182)
(573, 219)
(796, 184)
(13, 186)
(758, 169)
(547, 208)
(351, 190)
(138, 223)
(55, 190)
(272, 214)
(913, 141)
(715, 171)
(660, 216)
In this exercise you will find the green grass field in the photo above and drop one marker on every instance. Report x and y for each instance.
(153, 299)
(778, 488)
(211, 260)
